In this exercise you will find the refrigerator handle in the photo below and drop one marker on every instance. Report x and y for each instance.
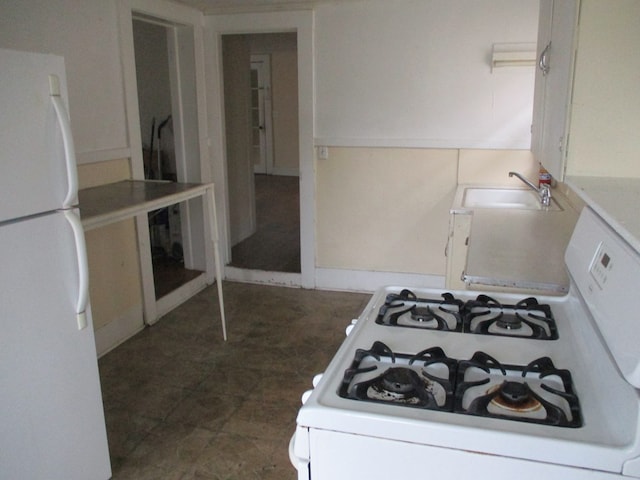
(67, 140)
(83, 267)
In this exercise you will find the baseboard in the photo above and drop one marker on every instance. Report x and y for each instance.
(281, 171)
(117, 331)
(369, 281)
(336, 279)
(286, 171)
(180, 295)
(282, 279)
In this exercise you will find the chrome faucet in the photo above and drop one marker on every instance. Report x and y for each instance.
(544, 191)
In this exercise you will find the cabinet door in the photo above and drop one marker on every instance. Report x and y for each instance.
(556, 53)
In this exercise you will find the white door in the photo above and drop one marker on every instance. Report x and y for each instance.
(51, 414)
(261, 125)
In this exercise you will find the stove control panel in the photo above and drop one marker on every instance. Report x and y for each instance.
(606, 271)
(601, 265)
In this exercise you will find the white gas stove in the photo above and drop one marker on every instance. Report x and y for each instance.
(461, 385)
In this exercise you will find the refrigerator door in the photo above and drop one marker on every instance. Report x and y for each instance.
(35, 177)
(51, 414)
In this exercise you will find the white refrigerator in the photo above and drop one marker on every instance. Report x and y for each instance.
(51, 415)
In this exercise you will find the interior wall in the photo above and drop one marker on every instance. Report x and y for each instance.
(605, 118)
(381, 215)
(282, 48)
(387, 209)
(114, 267)
(415, 73)
(86, 35)
(418, 75)
(492, 167)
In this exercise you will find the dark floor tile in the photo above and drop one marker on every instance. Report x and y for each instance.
(182, 404)
(233, 456)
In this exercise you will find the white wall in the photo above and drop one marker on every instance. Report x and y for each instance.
(416, 73)
(86, 34)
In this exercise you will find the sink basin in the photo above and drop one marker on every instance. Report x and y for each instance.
(514, 198)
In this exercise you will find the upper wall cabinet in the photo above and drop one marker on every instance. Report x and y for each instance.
(554, 74)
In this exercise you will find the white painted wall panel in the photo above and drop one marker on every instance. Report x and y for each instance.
(86, 35)
(417, 73)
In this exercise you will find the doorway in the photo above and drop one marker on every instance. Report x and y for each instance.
(261, 122)
(175, 258)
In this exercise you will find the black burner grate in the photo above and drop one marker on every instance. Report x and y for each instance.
(423, 380)
(483, 316)
(406, 309)
(535, 393)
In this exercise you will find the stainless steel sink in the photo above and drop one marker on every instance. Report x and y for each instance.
(514, 198)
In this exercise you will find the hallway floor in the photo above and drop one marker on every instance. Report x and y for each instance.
(275, 246)
(182, 404)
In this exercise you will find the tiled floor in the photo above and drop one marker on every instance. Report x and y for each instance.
(182, 404)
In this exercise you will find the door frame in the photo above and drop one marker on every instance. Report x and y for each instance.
(300, 22)
(169, 14)
(262, 64)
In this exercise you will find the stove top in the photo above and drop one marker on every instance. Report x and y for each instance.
(421, 380)
(557, 390)
(537, 392)
(483, 315)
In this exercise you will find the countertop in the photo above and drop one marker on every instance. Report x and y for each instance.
(522, 249)
(116, 201)
(616, 200)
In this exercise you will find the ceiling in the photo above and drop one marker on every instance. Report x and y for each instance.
(240, 6)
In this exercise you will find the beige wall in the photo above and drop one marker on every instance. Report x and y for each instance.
(605, 108)
(387, 209)
(284, 82)
(492, 167)
(384, 209)
(112, 251)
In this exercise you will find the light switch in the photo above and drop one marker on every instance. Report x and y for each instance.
(323, 152)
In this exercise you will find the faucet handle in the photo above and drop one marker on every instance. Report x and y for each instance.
(545, 194)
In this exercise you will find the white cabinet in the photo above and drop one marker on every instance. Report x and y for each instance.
(553, 84)
(457, 247)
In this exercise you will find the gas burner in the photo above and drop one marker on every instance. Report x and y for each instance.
(512, 396)
(527, 319)
(423, 380)
(405, 309)
(535, 393)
